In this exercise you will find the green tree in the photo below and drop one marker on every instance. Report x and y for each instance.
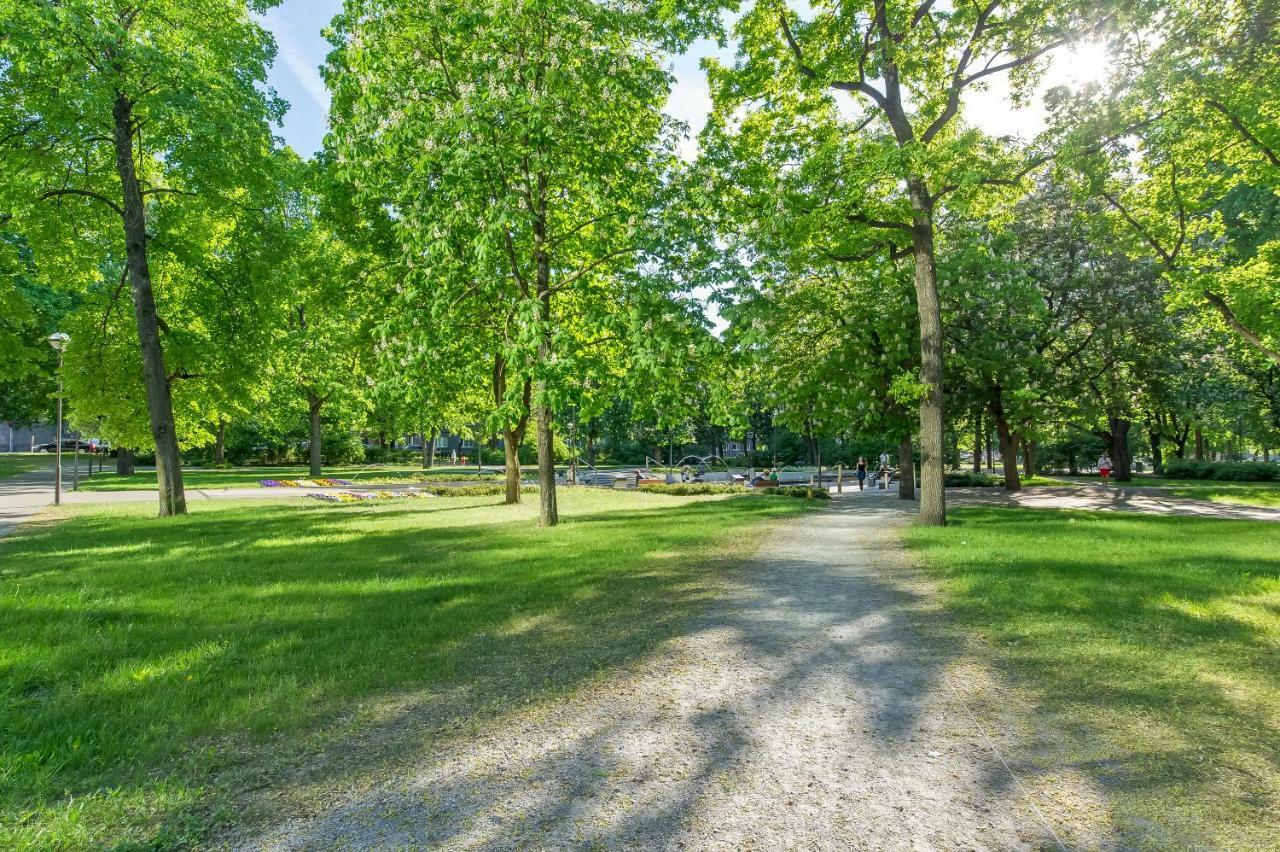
(907, 153)
(115, 115)
(1189, 134)
(519, 148)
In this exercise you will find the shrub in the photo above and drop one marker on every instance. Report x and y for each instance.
(964, 479)
(493, 490)
(802, 491)
(1222, 471)
(692, 489)
(386, 455)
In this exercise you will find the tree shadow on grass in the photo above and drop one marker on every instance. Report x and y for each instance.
(640, 765)
(140, 655)
(1150, 642)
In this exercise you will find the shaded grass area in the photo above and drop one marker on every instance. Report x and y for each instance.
(251, 477)
(1153, 643)
(12, 464)
(151, 672)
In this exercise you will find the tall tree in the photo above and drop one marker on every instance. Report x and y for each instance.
(520, 148)
(105, 130)
(908, 65)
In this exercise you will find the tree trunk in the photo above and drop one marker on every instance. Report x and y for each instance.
(1028, 457)
(511, 439)
(428, 450)
(173, 500)
(1180, 442)
(124, 462)
(548, 511)
(512, 434)
(1008, 442)
(819, 451)
(1073, 463)
(1157, 452)
(1200, 448)
(977, 442)
(1120, 458)
(906, 470)
(314, 405)
(991, 456)
(933, 505)
(220, 444)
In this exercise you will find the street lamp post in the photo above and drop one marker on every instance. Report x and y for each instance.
(58, 340)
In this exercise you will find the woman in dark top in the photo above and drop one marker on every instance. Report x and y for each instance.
(862, 472)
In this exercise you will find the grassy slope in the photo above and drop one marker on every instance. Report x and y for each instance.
(149, 669)
(251, 477)
(12, 464)
(1154, 645)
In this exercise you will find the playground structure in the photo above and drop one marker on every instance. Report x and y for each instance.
(713, 468)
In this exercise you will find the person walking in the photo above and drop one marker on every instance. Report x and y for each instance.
(1104, 468)
(862, 472)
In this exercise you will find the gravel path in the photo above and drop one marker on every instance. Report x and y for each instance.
(815, 707)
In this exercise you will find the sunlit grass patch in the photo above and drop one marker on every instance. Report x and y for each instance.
(144, 662)
(1153, 642)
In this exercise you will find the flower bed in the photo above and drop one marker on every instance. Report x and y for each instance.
(368, 496)
(305, 483)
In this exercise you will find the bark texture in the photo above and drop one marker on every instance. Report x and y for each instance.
(933, 506)
(124, 462)
(906, 470)
(314, 404)
(173, 500)
(1008, 442)
(220, 444)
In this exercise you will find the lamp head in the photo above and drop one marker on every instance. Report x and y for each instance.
(59, 340)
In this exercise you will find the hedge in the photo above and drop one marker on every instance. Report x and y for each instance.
(693, 489)
(972, 480)
(1224, 471)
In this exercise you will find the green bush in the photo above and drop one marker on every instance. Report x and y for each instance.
(386, 455)
(966, 479)
(801, 491)
(494, 490)
(1222, 471)
(693, 489)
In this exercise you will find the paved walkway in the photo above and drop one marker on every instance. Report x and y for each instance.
(24, 496)
(1147, 501)
(810, 709)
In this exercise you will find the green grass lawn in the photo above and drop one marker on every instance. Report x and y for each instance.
(155, 675)
(196, 477)
(1153, 643)
(12, 464)
(1265, 494)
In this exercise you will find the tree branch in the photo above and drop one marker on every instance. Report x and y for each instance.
(1232, 320)
(58, 193)
(1240, 127)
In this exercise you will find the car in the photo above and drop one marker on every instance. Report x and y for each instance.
(69, 446)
